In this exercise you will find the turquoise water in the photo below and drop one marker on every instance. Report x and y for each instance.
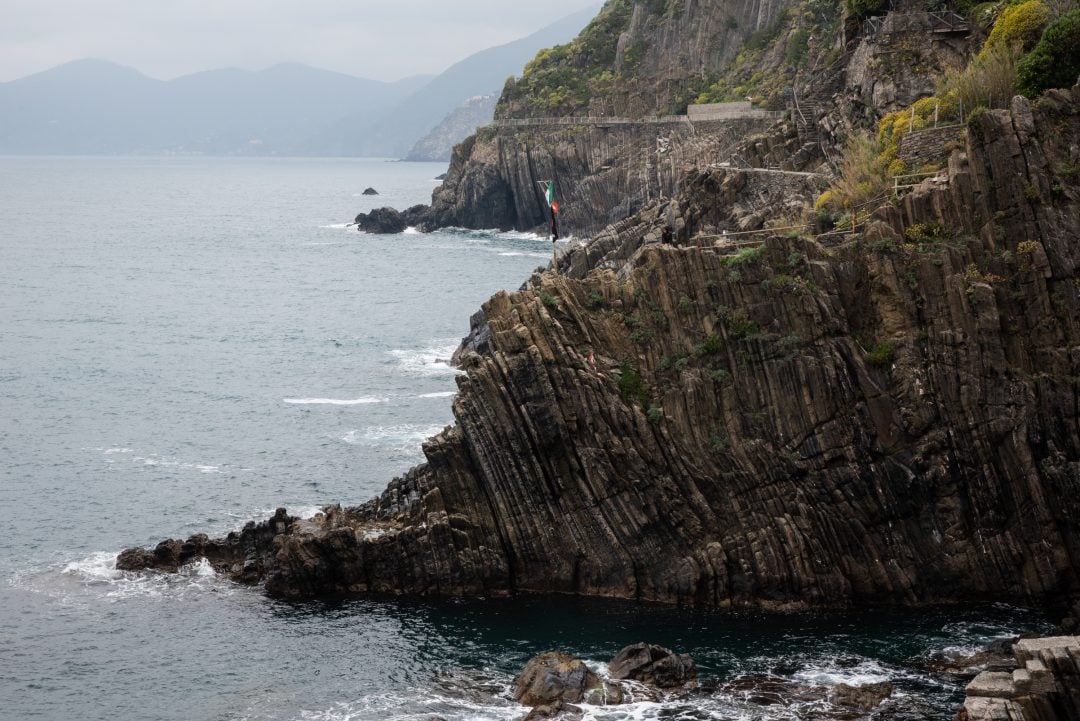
(187, 343)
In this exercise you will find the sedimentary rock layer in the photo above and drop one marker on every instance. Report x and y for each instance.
(891, 417)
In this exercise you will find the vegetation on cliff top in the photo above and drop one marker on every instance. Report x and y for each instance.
(1055, 60)
(798, 41)
(990, 80)
(562, 79)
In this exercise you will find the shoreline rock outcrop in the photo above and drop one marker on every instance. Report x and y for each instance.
(388, 221)
(553, 682)
(808, 422)
(1044, 687)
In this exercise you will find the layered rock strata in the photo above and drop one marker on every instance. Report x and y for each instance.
(1044, 687)
(891, 417)
(602, 173)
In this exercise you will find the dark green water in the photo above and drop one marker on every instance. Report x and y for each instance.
(186, 344)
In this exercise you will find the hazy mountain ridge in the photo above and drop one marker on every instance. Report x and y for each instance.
(95, 107)
(462, 122)
(481, 74)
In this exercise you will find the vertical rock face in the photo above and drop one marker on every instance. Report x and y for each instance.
(802, 423)
(602, 173)
(636, 59)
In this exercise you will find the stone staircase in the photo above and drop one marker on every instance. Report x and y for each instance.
(1044, 687)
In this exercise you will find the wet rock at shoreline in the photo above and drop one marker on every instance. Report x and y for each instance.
(654, 666)
(389, 221)
(997, 656)
(381, 221)
(554, 677)
(1045, 686)
(865, 697)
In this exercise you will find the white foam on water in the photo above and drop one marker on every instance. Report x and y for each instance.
(97, 576)
(412, 230)
(98, 567)
(440, 394)
(334, 401)
(515, 254)
(164, 462)
(337, 226)
(403, 441)
(830, 673)
(412, 704)
(429, 361)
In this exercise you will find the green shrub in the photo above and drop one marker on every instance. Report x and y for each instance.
(740, 326)
(596, 300)
(654, 414)
(709, 346)
(744, 255)
(865, 8)
(548, 300)
(632, 387)
(798, 43)
(881, 355)
(721, 376)
(1055, 61)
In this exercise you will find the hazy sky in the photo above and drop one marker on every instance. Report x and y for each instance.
(383, 40)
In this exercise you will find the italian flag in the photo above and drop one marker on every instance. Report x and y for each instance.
(549, 191)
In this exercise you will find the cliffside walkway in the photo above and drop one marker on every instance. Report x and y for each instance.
(937, 23)
(716, 112)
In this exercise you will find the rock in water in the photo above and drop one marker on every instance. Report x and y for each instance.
(370, 191)
(655, 666)
(381, 221)
(554, 677)
(866, 697)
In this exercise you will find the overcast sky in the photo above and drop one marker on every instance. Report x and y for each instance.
(382, 40)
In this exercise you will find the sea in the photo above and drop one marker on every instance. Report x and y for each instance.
(187, 343)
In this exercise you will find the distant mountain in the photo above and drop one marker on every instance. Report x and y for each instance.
(480, 74)
(96, 107)
(455, 127)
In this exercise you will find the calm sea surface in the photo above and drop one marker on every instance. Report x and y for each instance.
(187, 343)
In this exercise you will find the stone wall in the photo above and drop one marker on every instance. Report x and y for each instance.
(1044, 687)
(932, 144)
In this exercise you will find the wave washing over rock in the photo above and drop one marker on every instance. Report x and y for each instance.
(736, 443)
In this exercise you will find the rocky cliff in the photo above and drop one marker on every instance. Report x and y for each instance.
(890, 416)
(636, 62)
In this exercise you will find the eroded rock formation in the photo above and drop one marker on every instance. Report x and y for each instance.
(816, 421)
(1044, 687)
